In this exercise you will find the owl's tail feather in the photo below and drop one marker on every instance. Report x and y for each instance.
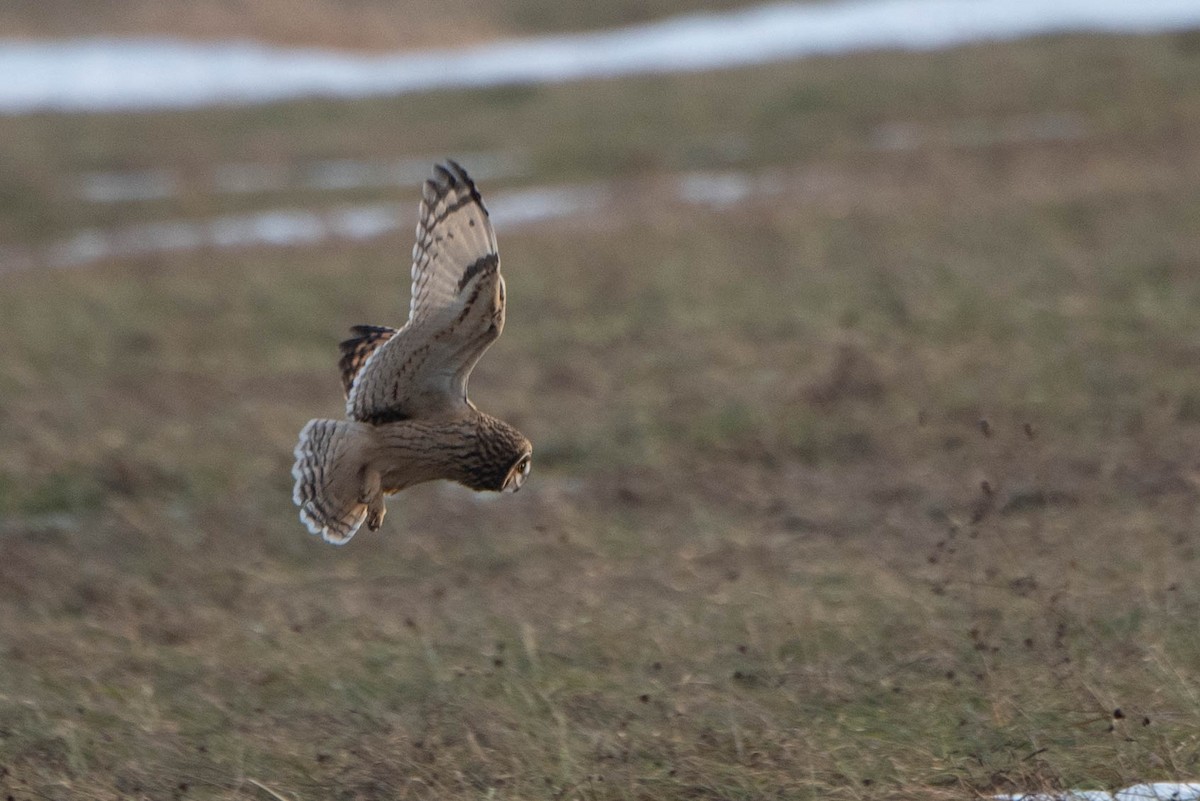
(331, 458)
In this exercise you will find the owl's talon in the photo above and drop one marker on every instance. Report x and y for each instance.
(375, 512)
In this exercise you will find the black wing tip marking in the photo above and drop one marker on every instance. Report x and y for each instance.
(459, 174)
(452, 173)
(370, 329)
(484, 263)
(446, 178)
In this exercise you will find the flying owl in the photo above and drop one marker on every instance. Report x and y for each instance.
(410, 419)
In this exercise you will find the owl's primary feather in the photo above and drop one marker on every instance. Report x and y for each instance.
(406, 390)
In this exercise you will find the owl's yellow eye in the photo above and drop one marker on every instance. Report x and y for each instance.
(518, 474)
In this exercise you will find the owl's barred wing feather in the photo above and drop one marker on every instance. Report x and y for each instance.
(358, 348)
(457, 310)
(454, 239)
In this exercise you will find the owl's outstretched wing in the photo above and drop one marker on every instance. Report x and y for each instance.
(455, 242)
(457, 311)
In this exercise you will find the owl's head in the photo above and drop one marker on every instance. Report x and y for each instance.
(503, 457)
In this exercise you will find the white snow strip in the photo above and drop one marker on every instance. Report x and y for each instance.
(113, 74)
(358, 223)
(251, 177)
(1161, 791)
(1065, 795)
(1158, 791)
(524, 206)
(290, 227)
(721, 190)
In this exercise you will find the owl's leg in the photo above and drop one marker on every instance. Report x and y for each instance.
(372, 496)
(375, 512)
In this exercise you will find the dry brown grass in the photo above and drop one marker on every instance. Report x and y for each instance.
(353, 24)
(769, 549)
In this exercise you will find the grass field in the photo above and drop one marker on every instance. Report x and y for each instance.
(884, 485)
(354, 24)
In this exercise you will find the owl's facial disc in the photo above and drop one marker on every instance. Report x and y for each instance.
(517, 475)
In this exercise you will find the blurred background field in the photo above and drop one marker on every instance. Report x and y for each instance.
(864, 393)
(364, 24)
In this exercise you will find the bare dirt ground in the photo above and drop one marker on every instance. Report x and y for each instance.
(881, 485)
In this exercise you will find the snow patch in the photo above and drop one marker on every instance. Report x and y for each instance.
(114, 74)
(1158, 791)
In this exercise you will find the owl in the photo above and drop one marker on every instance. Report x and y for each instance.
(410, 419)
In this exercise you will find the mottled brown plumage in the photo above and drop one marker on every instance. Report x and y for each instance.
(358, 348)
(410, 420)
